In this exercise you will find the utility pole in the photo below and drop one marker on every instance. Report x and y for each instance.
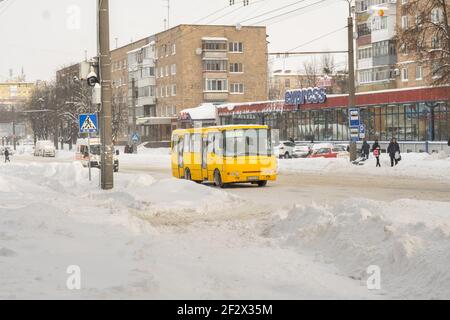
(107, 165)
(351, 74)
(133, 102)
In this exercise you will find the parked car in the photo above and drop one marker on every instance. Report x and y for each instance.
(322, 150)
(45, 148)
(341, 151)
(285, 149)
(301, 151)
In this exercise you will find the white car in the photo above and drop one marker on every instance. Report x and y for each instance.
(285, 149)
(301, 151)
(45, 149)
(341, 151)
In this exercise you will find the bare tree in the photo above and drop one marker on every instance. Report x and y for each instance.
(428, 39)
(119, 116)
(311, 70)
(328, 65)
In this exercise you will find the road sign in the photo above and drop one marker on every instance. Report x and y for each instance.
(88, 123)
(362, 131)
(135, 137)
(355, 124)
(354, 118)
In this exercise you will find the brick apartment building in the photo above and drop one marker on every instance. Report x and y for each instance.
(382, 63)
(184, 67)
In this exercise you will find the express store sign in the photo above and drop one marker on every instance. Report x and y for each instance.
(306, 96)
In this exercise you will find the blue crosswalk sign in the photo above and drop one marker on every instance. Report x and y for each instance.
(88, 123)
(135, 137)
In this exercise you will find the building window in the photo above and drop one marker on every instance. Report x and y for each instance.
(405, 76)
(404, 22)
(174, 90)
(363, 29)
(236, 47)
(419, 72)
(365, 53)
(437, 15)
(173, 69)
(215, 65)
(362, 6)
(216, 85)
(174, 49)
(379, 23)
(236, 68)
(167, 71)
(237, 88)
(214, 46)
(435, 42)
(287, 83)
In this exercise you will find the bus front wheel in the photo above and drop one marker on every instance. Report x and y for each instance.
(262, 183)
(218, 179)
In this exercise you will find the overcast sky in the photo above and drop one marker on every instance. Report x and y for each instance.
(43, 35)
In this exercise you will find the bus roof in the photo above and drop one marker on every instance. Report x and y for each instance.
(221, 128)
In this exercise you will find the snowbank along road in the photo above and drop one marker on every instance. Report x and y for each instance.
(315, 234)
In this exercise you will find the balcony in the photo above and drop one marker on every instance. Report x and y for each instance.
(215, 55)
(211, 96)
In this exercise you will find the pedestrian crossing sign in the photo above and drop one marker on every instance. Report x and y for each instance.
(88, 123)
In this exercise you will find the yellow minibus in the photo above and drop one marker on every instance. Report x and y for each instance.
(224, 155)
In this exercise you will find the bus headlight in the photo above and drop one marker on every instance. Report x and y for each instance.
(268, 172)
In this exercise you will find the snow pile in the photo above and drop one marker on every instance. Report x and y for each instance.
(409, 240)
(419, 165)
(155, 158)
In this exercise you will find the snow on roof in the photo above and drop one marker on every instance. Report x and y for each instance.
(214, 39)
(205, 111)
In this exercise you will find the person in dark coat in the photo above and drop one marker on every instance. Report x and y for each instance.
(365, 149)
(7, 155)
(376, 149)
(394, 152)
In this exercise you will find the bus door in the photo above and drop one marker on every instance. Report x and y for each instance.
(204, 158)
(180, 157)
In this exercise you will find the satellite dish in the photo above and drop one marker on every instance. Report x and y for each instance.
(199, 51)
(238, 27)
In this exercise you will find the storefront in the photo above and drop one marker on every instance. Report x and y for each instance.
(416, 114)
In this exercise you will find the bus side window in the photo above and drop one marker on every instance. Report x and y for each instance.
(175, 140)
(187, 142)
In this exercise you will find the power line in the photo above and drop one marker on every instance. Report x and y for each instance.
(272, 11)
(281, 19)
(235, 10)
(288, 12)
(318, 38)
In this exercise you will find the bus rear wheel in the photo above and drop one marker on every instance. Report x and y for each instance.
(187, 175)
(218, 179)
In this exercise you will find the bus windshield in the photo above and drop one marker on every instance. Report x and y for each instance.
(247, 142)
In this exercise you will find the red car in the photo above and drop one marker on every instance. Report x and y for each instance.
(324, 153)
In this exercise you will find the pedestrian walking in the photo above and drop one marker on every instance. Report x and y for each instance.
(365, 150)
(7, 155)
(376, 149)
(394, 152)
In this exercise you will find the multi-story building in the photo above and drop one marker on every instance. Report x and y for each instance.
(121, 97)
(141, 69)
(198, 64)
(184, 67)
(376, 49)
(13, 96)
